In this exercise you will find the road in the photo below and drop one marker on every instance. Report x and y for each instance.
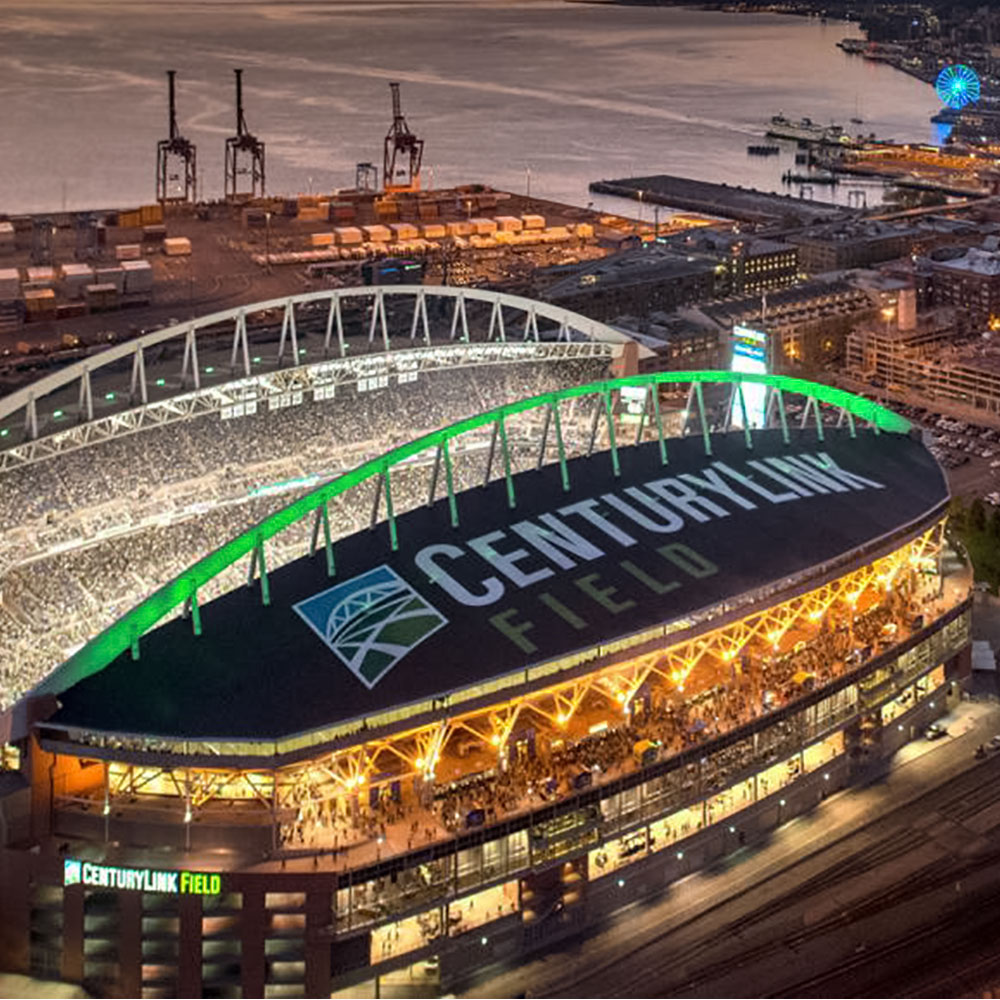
(889, 889)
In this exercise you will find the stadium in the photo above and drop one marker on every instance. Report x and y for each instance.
(386, 667)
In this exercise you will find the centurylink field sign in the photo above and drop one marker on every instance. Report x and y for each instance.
(178, 883)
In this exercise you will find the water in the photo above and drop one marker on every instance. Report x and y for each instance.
(548, 93)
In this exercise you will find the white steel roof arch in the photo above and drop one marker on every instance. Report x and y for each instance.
(571, 325)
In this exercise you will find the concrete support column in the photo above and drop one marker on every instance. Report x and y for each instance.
(319, 917)
(189, 943)
(71, 967)
(15, 913)
(130, 943)
(252, 928)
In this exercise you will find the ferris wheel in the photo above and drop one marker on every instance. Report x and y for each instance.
(957, 86)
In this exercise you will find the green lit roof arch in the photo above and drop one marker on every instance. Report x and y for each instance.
(126, 632)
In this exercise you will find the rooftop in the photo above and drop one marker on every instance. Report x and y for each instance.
(559, 574)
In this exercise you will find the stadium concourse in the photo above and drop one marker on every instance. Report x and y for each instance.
(87, 534)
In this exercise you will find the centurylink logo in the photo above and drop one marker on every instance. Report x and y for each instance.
(371, 622)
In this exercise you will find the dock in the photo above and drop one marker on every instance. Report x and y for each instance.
(729, 202)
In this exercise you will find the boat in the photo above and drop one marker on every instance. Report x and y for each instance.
(806, 130)
(792, 178)
(946, 116)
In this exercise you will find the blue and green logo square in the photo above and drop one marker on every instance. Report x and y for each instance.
(371, 622)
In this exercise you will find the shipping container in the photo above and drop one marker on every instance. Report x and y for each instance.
(533, 221)
(342, 211)
(377, 234)
(177, 246)
(128, 251)
(151, 215)
(483, 227)
(585, 230)
(404, 231)
(102, 296)
(130, 220)
(321, 239)
(40, 275)
(459, 228)
(508, 224)
(348, 235)
(433, 231)
(154, 233)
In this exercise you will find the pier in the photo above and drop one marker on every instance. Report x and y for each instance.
(739, 203)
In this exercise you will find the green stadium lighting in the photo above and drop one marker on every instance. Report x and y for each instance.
(109, 395)
(57, 414)
(126, 632)
(161, 381)
(209, 370)
(256, 361)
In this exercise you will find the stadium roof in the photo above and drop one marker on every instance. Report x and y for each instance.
(453, 607)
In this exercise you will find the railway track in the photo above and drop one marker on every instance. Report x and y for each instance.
(680, 960)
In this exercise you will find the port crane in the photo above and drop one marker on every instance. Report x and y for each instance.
(175, 159)
(403, 151)
(244, 154)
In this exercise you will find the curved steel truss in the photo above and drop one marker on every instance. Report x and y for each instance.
(381, 319)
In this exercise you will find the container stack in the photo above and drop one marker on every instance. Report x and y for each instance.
(40, 304)
(102, 297)
(138, 275)
(10, 284)
(74, 280)
(342, 212)
(113, 276)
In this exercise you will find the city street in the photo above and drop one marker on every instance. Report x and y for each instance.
(849, 901)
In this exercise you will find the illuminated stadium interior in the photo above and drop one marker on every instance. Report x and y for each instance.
(494, 754)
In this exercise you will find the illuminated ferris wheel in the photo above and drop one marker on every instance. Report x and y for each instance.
(957, 86)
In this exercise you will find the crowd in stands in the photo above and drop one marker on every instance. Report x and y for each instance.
(86, 535)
